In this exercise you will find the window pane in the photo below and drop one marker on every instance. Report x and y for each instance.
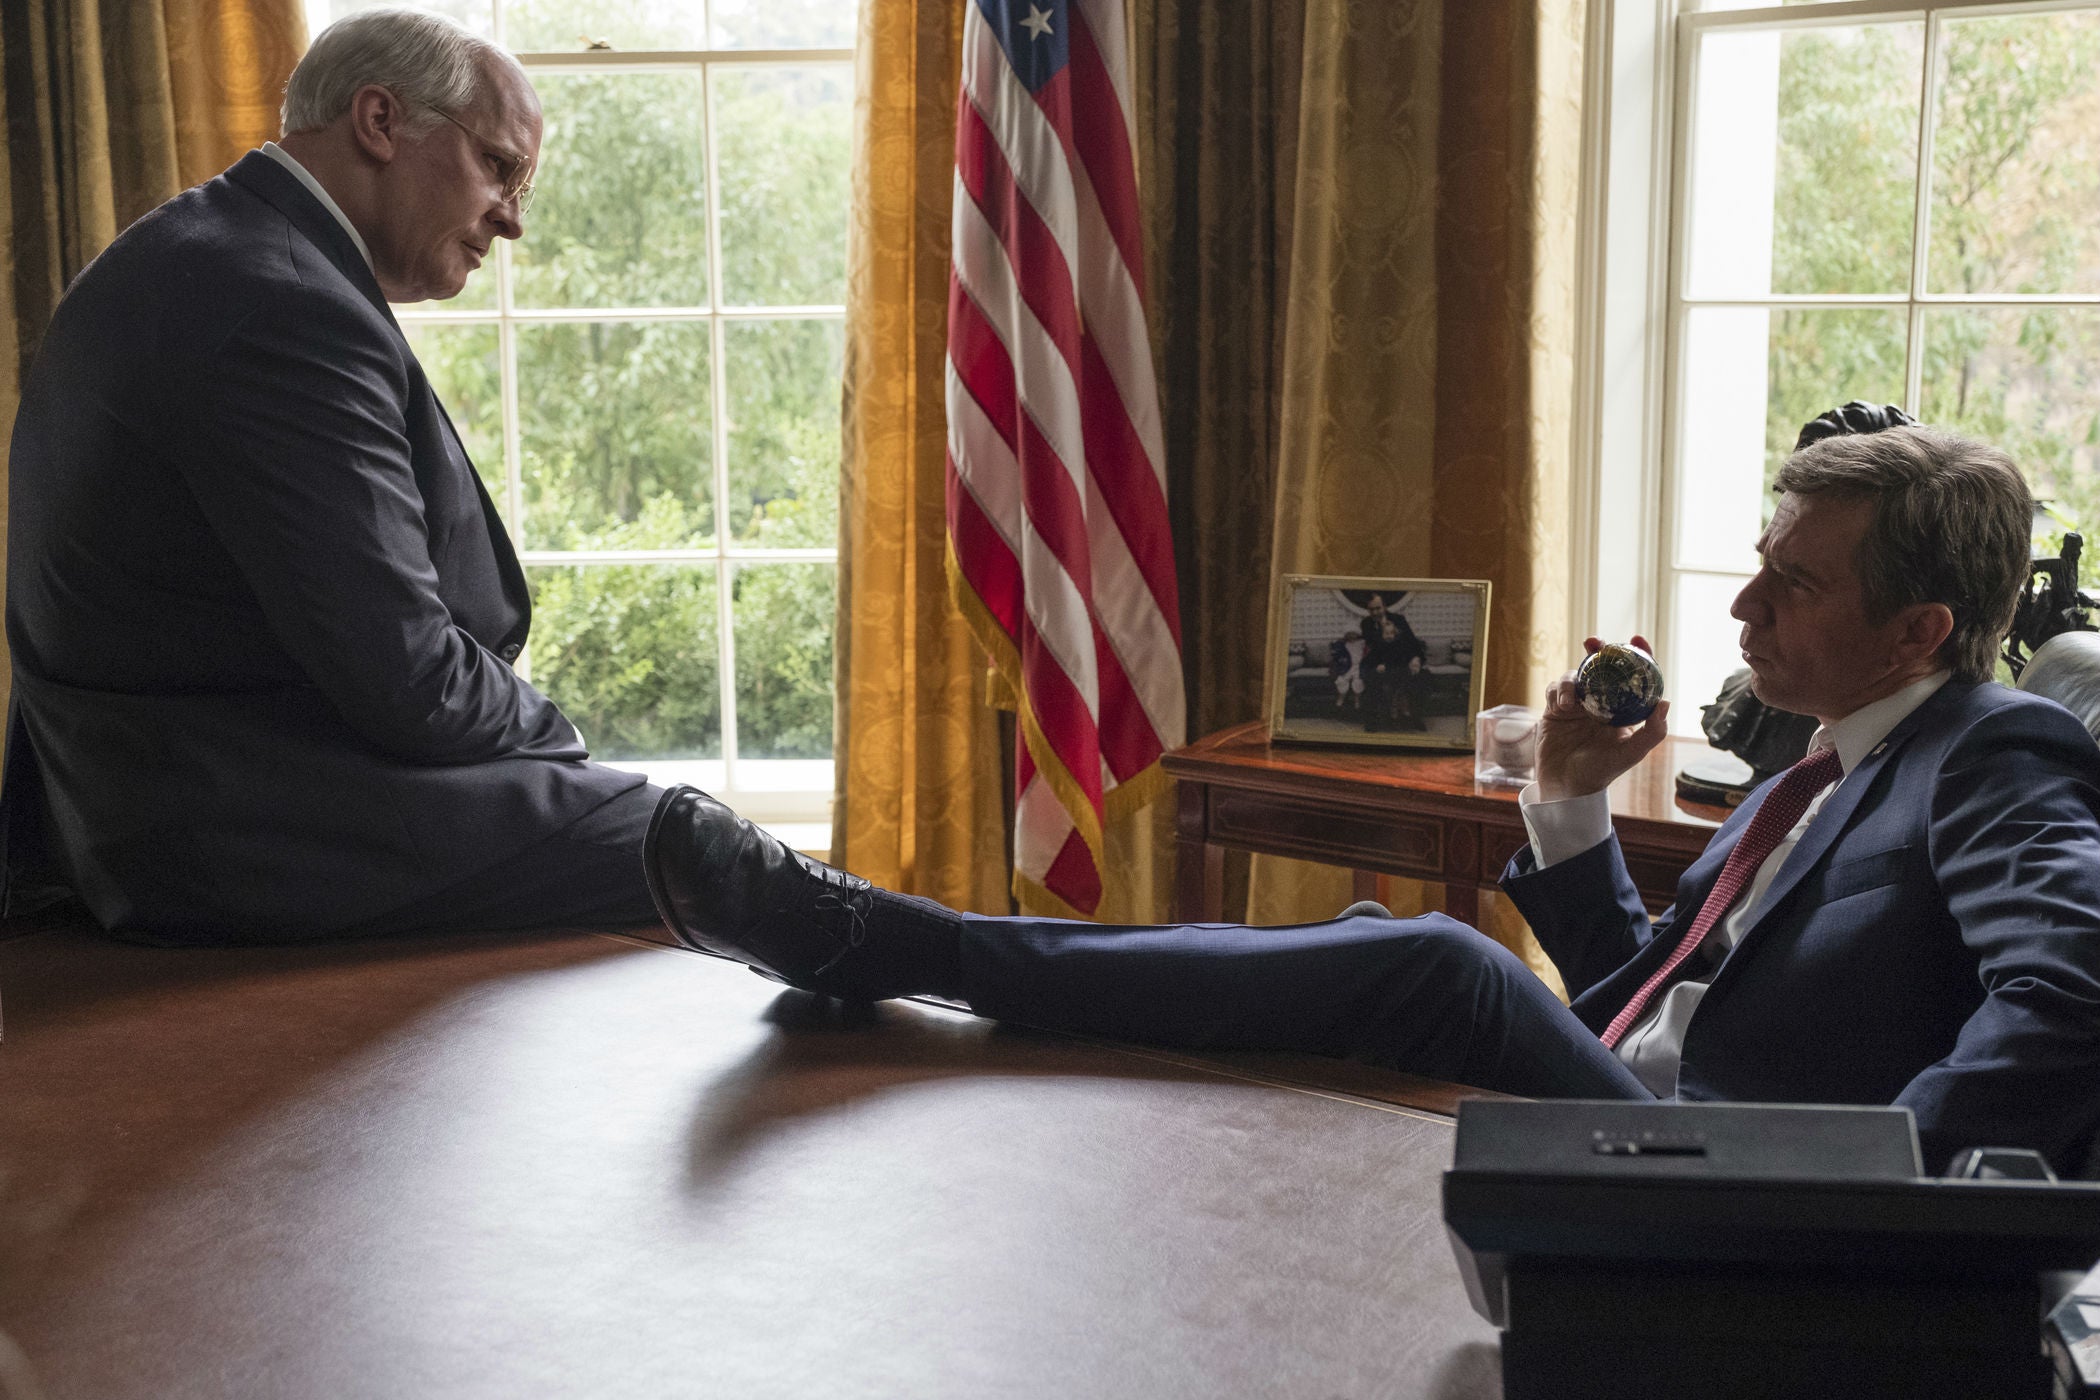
(2016, 156)
(1846, 196)
(615, 435)
(1705, 645)
(783, 659)
(568, 26)
(629, 653)
(620, 218)
(1821, 359)
(1804, 160)
(783, 379)
(474, 14)
(2027, 381)
(785, 146)
(1751, 378)
(784, 24)
(466, 370)
(1724, 403)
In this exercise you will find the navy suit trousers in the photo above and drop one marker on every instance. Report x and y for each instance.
(1427, 995)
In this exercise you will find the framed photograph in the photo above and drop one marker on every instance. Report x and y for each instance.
(1396, 662)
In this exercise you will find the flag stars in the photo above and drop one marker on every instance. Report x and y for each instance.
(1037, 23)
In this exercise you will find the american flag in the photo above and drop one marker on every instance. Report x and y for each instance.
(1059, 551)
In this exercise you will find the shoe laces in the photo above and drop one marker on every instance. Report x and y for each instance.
(855, 903)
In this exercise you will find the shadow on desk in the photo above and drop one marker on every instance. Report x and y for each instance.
(831, 1053)
(578, 1165)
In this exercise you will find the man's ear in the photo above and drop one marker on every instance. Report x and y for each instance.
(1923, 628)
(377, 121)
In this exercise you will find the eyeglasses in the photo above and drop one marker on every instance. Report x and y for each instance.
(517, 172)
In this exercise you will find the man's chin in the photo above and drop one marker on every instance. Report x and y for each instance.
(410, 296)
(1770, 693)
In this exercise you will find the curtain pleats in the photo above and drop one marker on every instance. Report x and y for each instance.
(919, 805)
(1512, 81)
(227, 65)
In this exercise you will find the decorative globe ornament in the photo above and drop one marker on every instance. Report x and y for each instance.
(1620, 684)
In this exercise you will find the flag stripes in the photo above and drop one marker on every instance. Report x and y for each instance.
(1060, 552)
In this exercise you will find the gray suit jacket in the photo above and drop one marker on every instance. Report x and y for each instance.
(261, 608)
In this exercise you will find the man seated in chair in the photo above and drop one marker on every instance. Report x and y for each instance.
(262, 620)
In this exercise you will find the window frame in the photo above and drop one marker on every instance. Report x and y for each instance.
(1633, 305)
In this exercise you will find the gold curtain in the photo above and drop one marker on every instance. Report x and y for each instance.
(113, 106)
(919, 804)
(1508, 162)
(1217, 153)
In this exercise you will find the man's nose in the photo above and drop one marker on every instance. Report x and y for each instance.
(1749, 604)
(507, 220)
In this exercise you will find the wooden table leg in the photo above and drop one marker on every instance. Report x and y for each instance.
(1462, 902)
(1461, 857)
(1199, 867)
(1363, 885)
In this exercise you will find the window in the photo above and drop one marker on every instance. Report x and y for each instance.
(649, 381)
(1893, 202)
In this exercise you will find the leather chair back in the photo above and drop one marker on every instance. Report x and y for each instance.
(2066, 669)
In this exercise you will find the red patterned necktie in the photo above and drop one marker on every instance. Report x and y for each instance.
(1776, 816)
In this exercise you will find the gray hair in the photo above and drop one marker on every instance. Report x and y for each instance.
(1953, 524)
(431, 61)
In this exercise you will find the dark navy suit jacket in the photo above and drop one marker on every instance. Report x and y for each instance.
(1933, 940)
(261, 608)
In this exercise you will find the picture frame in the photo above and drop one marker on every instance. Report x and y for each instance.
(1419, 687)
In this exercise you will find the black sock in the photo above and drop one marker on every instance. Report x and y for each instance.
(914, 946)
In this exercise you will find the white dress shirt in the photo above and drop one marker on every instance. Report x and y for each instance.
(306, 177)
(1654, 1047)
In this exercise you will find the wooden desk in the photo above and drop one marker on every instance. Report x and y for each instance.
(1419, 815)
(578, 1165)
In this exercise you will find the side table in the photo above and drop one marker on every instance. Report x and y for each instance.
(1397, 813)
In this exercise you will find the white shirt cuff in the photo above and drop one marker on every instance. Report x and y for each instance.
(1563, 829)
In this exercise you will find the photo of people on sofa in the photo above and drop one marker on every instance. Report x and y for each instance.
(1380, 662)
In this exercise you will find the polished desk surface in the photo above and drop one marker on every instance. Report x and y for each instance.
(578, 1164)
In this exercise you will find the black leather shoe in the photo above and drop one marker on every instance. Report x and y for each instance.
(726, 887)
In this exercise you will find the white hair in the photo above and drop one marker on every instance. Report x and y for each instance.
(431, 61)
